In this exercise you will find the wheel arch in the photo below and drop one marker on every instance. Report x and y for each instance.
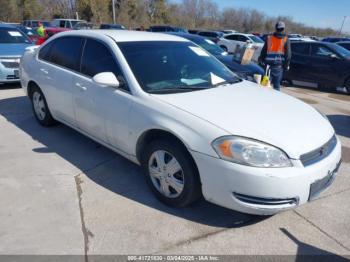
(153, 134)
(30, 86)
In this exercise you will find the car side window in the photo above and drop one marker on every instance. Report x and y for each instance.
(45, 52)
(66, 52)
(232, 37)
(97, 58)
(301, 49)
(242, 38)
(62, 23)
(321, 51)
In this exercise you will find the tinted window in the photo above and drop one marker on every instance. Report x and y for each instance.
(98, 59)
(347, 46)
(45, 51)
(321, 51)
(62, 23)
(66, 52)
(243, 38)
(232, 37)
(301, 49)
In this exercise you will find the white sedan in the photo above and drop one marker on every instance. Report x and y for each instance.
(195, 127)
(231, 42)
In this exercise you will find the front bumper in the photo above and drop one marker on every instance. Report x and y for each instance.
(9, 72)
(263, 191)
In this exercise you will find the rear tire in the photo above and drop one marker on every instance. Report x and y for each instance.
(40, 109)
(171, 173)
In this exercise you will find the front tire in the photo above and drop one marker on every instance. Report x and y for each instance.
(171, 173)
(40, 109)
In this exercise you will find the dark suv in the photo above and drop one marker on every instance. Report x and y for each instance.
(324, 65)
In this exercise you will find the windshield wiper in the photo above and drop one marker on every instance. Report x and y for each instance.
(228, 82)
(175, 90)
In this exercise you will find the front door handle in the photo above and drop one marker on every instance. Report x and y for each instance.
(80, 86)
(44, 71)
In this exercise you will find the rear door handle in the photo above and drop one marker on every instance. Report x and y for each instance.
(80, 86)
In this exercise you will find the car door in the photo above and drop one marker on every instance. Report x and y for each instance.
(300, 62)
(325, 64)
(57, 71)
(101, 111)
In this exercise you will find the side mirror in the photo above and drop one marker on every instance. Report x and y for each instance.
(106, 79)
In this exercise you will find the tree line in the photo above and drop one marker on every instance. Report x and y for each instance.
(191, 14)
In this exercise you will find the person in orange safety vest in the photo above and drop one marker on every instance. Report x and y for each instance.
(277, 54)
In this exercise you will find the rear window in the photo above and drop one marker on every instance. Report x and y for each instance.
(301, 49)
(66, 52)
(13, 36)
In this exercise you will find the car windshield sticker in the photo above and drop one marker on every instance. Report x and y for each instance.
(191, 82)
(214, 79)
(209, 41)
(198, 51)
(14, 33)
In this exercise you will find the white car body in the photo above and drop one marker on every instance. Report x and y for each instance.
(231, 41)
(119, 119)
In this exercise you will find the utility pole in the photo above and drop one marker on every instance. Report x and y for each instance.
(113, 7)
(342, 25)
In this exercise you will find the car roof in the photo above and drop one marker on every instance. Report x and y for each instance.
(8, 26)
(125, 35)
(187, 36)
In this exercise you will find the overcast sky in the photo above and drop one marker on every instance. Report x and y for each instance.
(319, 13)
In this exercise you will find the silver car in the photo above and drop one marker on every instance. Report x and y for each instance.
(13, 43)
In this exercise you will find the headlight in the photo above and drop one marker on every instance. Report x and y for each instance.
(249, 152)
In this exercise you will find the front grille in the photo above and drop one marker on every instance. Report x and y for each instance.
(13, 65)
(319, 153)
(12, 77)
(266, 201)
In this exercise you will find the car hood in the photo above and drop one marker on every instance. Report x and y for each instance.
(250, 68)
(13, 49)
(248, 110)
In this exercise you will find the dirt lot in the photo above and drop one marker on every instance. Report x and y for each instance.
(62, 193)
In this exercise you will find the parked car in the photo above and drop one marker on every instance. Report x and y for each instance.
(226, 32)
(112, 26)
(31, 33)
(166, 28)
(83, 26)
(246, 72)
(335, 39)
(49, 32)
(193, 31)
(345, 44)
(66, 23)
(13, 43)
(194, 126)
(212, 35)
(230, 42)
(35, 23)
(320, 64)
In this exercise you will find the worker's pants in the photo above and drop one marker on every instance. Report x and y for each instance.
(276, 76)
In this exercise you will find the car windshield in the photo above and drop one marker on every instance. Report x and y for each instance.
(256, 39)
(172, 67)
(209, 45)
(74, 22)
(341, 50)
(12, 36)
